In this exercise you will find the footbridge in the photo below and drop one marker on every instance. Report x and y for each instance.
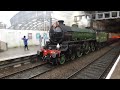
(108, 21)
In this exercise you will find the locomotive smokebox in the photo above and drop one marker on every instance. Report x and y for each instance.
(61, 22)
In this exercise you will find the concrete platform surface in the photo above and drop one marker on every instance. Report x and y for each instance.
(18, 52)
(115, 70)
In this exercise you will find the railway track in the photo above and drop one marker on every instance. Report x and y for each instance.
(51, 68)
(36, 71)
(17, 61)
(99, 68)
(30, 72)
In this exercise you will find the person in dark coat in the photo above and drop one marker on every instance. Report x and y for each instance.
(25, 43)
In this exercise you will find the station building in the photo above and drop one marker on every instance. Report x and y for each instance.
(31, 20)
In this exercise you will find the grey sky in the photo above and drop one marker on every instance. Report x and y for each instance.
(5, 16)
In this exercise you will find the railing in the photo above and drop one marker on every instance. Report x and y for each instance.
(3, 46)
(99, 16)
(106, 15)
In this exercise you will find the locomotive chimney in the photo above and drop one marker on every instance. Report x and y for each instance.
(61, 22)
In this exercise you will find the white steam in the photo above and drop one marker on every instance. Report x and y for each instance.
(84, 22)
(68, 17)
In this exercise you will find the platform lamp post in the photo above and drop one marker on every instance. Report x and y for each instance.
(40, 40)
(50, 19)
(44, 21)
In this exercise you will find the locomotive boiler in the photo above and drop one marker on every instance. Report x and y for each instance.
(60, 33)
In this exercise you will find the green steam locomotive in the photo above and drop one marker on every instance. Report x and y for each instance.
(66, 43)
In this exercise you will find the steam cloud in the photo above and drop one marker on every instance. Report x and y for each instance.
(68, 17)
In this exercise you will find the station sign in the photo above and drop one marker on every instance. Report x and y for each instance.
(38, 36)
(30, 35)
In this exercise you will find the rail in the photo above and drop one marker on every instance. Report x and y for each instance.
(12, 61)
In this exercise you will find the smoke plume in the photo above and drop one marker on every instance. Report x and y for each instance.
(68, 17)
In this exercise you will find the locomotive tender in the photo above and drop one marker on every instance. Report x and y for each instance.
(67, 43)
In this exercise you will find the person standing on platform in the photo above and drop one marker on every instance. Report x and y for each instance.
(25, 43)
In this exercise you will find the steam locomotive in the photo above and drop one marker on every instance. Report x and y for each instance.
(66, 43)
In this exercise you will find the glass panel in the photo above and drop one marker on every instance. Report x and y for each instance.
(114, 14)
(100, 15)
(93, 16)
(107, 15)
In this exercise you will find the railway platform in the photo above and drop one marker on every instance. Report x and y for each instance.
(18, 52)
(115, 70)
